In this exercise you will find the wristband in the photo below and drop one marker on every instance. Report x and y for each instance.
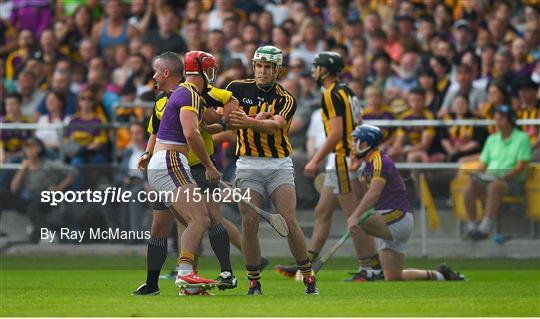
(224, 125)
(145, 153)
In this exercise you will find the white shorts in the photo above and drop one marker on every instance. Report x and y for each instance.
(338, 176)
(264, 175)
(168, 170)
(401, 231)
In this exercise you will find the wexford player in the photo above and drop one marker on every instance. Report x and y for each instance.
(392, 221)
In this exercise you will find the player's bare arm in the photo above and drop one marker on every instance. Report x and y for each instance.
(195, 141)
(335, 134)
(239, 119)
(369, 200)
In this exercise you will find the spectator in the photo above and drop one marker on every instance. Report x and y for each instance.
(113, 29)
(104, 94)
(141, 14)
(141, 75)
(529, 108)
(398, 85)
(381, 63)
(487, 58)
(11, 141)
(462, 143)
(521, 66)
(48, 52)
(427, 81)
(413, 142)
(266, 25)
(375, 110)
(497, 96)
(282, 39)
(309, 41)
(131, 177)
(504, 160)
(165, 37)
(16, 59)
(464, 79)
(532, 38)
(33, 15)
(55, 104)
(426, 29)
(230, 28)
(223, 9)
(360, 69)
(60, 84)
(441, 67)
(31, 95)
(36, 174)
(216, 46)
(462, 36)
(503, 66)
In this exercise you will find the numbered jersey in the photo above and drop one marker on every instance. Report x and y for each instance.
(339, 101)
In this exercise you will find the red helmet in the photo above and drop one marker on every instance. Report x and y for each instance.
(195, 60)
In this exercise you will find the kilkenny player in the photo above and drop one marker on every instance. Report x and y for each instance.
(264, 166)
(339, 119)
(168, 75)
(392, 221)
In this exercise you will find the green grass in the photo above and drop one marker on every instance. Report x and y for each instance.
(92, 286)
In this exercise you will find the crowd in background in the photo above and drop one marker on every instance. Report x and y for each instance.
(73, 61)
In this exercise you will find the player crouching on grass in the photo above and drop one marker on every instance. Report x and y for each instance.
(392, 221)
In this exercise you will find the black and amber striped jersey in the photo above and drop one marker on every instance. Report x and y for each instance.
(253, 101)
(338, 101)
(529, 114)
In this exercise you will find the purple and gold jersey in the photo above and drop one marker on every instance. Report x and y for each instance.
(383, 114)
(414, 133)
(394, 196)
(77, 131)
(184, 97)
(12, 140)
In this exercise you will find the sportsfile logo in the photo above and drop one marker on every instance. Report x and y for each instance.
(112, 195)
(107, 196)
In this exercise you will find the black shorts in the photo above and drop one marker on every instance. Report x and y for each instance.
(198, 172)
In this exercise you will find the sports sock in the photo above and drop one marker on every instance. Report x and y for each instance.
(364, 264)
(219, 240)
(312, 255)
(185, 262)
(434, 275)
(485, 225)
(375, 262)
(305, 267)
(471, 225)
(253, 272)
(156, 254)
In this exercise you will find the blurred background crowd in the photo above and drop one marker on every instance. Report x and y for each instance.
(76, 62)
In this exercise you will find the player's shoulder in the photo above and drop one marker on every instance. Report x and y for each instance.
(281, 91)
(240, 83)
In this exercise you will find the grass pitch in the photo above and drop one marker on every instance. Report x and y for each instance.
(94, 286)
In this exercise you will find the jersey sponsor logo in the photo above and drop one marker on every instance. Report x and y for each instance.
(247, 101)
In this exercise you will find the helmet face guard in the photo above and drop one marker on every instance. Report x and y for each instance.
(370, 134)
(359, 151)
(331, 61)
(270, 54)
(202, 64)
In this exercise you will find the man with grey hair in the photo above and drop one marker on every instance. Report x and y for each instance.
(398, 85)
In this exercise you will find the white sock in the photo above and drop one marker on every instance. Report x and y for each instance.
(185, 269)
(471, 225)
(485, 225)
(439, 275)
